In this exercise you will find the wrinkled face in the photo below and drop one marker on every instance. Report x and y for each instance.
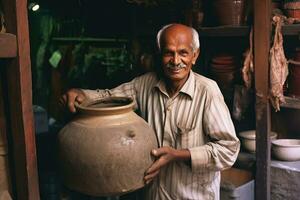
(178, 56)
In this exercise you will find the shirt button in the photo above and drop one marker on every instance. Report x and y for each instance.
(168, 108)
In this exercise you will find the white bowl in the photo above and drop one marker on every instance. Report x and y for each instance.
(286, 149)
(248, 140)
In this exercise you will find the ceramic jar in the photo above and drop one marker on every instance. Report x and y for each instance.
(106, 149)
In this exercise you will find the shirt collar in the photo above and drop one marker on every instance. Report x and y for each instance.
(188, 88)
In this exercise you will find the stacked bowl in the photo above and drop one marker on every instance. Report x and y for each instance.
(224, 68)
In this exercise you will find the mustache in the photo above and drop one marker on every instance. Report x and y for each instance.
(178, 66)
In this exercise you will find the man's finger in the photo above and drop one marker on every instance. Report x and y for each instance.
(63, 99)
(79, 99)
(71, 107)
(71, 98)
(157, 165)
(151, 176)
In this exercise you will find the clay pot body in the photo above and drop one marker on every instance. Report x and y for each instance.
(294, 80)
(294, 76)
(106, 150)
(229, 12)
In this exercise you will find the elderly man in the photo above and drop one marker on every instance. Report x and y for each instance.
(187, 112)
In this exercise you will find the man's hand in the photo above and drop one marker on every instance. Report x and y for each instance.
(164, 156)
(70, 97)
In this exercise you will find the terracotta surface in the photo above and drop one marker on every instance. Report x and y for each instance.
(106, 149)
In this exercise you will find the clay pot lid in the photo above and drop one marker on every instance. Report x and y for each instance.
(106, 106)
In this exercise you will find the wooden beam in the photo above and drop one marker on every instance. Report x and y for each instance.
(19, 92)
(262, 31)
(8, 45)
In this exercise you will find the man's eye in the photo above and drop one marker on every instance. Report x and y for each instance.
(184, 53)
(167, 53)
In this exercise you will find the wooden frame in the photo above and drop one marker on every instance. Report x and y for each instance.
(262, 31)
(18, 103)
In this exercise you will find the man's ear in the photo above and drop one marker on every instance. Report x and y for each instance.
(195, 56)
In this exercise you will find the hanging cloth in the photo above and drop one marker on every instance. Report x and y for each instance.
(247, 71)
(278, 65)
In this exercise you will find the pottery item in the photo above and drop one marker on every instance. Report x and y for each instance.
(286, 149)
(105, 150)
(248, 140)
(229, 12)
(294, 75)
(292, 8)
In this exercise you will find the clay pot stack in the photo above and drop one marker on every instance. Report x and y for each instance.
(224, 69)
(294, 76)
(292, 8)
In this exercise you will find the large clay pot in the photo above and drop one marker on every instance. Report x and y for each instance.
(106, 150)
(229, 12)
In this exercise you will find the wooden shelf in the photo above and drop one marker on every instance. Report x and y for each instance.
(292, 29)
(241, 31)
(224, 31)
(8, 45)
(291, 102)
(84, 39)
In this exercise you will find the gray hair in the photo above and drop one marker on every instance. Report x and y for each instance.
(195, 37)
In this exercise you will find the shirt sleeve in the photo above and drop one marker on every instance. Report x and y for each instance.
(223, 147)
(128, 89)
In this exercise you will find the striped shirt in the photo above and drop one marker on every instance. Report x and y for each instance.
(196, 119)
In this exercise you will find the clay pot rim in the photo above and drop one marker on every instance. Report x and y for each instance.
(84, 106)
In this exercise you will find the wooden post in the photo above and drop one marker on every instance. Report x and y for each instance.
(262, 31)
(19, 102)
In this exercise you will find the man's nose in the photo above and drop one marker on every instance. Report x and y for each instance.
(176, 59)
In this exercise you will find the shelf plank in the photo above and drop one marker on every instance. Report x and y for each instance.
(291, 102)
(292, 29)
(8, 45)
(241, 31)
(224, 31)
